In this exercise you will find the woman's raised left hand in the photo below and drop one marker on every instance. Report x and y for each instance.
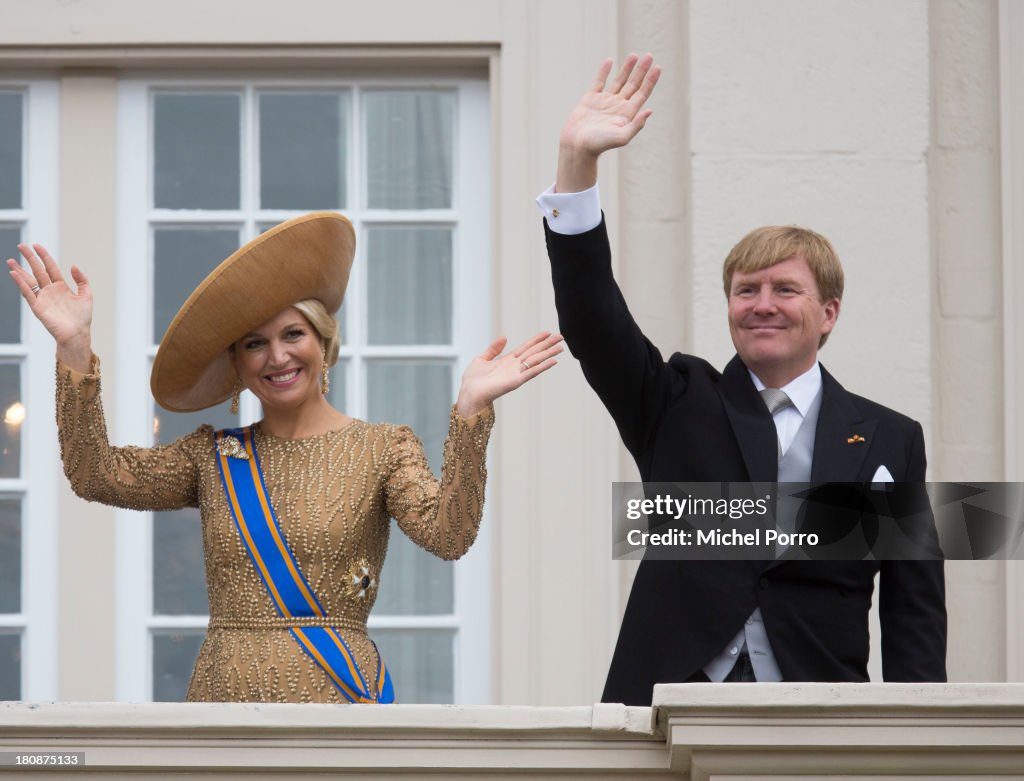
(492, 374)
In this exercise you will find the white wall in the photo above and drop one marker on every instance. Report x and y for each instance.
(816, 114)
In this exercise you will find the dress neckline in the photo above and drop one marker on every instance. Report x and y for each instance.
(258, 427)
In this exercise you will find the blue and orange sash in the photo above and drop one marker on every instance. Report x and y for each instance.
(257, 525)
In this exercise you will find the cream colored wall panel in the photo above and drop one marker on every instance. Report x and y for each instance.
(976, 613)
(580, 620)
(965, 462)
(968, 245)
(800, 75)
(964, 163)
(557, 447)
(965, 73)
(88, 133)
(654, 275)
(816, 113)
(1011, 21)
(964, 192)
(967, 225)
(875, 213)
(653, 261)
(1011, 101)
(227, 22)
(520, 492)
(971, 350)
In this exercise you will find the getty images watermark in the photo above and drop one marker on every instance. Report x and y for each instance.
(818, 521)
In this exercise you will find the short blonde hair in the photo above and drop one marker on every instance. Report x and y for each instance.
(325, 325)
(771, 244)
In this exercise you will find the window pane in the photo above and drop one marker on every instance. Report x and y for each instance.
(409, 149)
(179, 586)
(421, 662)
(303, 143)
(10, 556)
(339, 393)
(11, 112)
(413, 581)
(410, 285)
(174, 655)
(415, 393)
(10, 666)
(169, 426)
(13, 410)
(182, 257)
(341, 316)
(196, 151)
(10, 298)
(179, 583)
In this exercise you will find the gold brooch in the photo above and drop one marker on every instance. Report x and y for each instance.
(232, 448)
(360, 581)
(854, 439)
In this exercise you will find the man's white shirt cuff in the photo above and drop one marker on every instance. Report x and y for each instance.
(571, 213)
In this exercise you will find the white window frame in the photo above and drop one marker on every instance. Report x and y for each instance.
(471, 323)
(40, 458)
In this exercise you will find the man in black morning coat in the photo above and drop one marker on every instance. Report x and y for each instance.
(682, 420)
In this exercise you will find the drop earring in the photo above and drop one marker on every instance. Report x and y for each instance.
(235, 393)
(325, 378)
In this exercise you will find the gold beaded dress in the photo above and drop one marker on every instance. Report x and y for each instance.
(333, 494)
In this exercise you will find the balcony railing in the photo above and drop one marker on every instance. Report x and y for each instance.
(694, 731)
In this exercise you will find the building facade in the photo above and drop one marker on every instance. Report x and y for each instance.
(144, 147)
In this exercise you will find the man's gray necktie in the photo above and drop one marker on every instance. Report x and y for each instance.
(775, 400)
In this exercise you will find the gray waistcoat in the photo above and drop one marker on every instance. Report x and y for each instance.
(795, 467)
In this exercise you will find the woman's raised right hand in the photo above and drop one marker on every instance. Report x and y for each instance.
(65, 313)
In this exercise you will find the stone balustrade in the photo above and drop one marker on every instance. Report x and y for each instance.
(695, 731)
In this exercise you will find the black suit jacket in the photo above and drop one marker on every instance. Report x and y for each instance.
(682, 420)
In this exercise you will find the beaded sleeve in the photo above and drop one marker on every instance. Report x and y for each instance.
(159, 478)
(442, 516)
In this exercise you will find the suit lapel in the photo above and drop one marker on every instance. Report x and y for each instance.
(751, 424)
(842, 438)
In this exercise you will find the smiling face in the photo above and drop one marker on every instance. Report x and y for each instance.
(777, 320)
(280, 361)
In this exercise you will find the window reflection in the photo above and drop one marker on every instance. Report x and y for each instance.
(14, 415)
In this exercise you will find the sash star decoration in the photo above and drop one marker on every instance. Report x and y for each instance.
(361, 582)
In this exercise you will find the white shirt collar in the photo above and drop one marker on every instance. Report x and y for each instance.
(801, 391)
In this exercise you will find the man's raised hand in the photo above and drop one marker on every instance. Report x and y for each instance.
(606, 117)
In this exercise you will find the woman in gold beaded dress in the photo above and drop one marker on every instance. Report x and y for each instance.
(263, 320)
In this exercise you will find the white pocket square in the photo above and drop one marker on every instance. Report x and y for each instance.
(882, 475)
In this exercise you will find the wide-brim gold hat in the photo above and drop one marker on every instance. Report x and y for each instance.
(306, 257)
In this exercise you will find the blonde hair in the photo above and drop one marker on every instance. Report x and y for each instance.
(325, 325)
(764, 247)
